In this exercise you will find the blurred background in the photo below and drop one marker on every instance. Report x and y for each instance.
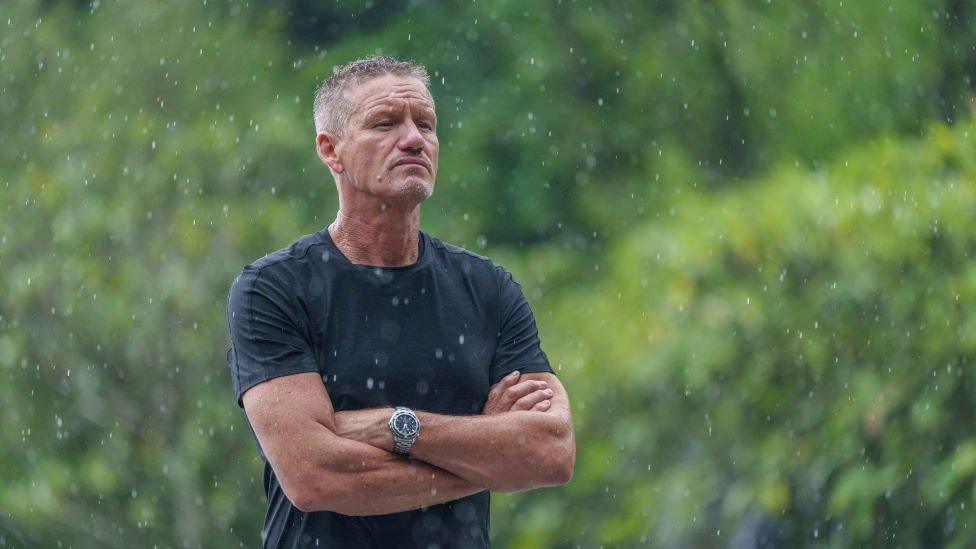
(747, 229)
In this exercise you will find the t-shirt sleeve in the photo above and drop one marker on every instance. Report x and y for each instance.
(266, 337)
(518, 346)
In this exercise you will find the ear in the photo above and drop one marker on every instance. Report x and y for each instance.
(325, 147)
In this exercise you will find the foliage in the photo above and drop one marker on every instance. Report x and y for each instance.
(792, 359)
(761, 322)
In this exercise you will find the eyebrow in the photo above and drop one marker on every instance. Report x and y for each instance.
(377, 112)
(428, 114)
(385, 110)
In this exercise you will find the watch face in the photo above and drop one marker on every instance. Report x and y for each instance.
(406, 425)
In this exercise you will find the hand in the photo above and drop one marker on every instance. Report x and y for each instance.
(369, 426)
(507, 395)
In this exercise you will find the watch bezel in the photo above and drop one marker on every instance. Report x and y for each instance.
(400, 432)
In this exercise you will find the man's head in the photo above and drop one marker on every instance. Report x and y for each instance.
(376, 129)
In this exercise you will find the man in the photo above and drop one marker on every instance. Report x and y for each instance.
(391, 379)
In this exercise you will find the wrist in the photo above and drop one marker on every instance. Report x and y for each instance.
(404, 428)
(382, 438)
(367, 426)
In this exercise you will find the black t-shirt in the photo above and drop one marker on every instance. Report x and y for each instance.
(433, 336)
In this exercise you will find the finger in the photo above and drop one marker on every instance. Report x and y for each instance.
(531, 399)
(518, 391)
(498, 388)
(496, 391)
(542, 406)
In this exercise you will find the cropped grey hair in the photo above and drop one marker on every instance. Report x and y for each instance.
(331, 107)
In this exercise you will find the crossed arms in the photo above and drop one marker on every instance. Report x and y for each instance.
(343, 461)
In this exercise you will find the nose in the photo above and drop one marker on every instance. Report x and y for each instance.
(411, 139)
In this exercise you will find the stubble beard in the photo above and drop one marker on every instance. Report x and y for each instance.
(410, 189)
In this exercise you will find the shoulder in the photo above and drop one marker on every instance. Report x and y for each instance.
(467, 261)
(296, 252)
(443, 247)
(281, 265)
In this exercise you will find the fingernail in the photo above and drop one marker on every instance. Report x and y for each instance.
(513, 374)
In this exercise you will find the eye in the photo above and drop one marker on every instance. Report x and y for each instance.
(383, 124)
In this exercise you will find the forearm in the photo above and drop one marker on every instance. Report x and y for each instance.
(511, 451)
(506, 452)
(354, 478)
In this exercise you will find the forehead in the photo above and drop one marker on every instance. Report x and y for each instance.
(389, 90)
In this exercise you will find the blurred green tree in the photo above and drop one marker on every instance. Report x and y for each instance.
(150, 151)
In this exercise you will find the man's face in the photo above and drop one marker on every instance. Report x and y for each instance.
(389, 147)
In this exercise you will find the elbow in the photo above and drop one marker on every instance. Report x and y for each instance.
(563, 473)
(563, 465)
(555, 469)
(311, 497)
(563, 457)
(305, 502)
(558, 458)
(312, 504)
(310, 501)
(550, 461)
(307, 499)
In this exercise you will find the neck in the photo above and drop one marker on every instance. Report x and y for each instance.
(378, 236)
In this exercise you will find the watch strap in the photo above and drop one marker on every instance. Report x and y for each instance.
(402, 445)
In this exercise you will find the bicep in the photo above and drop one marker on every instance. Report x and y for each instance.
(291, 416)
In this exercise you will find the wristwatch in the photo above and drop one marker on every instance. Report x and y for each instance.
(406, 429)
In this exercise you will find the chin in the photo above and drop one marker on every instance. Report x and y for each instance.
(412, 189)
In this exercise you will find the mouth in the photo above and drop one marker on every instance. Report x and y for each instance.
(412, 162)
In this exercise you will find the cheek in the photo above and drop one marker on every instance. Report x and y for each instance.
(366, 154)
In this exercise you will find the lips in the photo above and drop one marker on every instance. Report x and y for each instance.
(412, 161)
